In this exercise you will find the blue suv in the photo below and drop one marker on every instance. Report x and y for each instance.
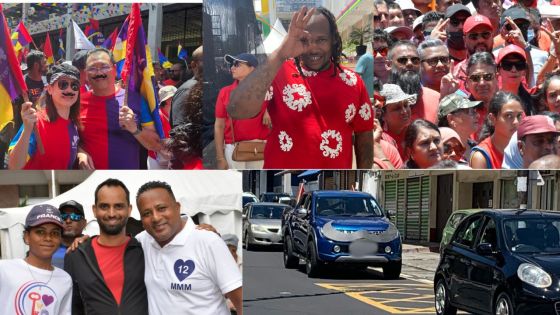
(340, 227)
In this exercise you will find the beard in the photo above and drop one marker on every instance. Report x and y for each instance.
(409, 81)
(112, 229)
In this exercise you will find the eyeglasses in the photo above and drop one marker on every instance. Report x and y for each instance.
(456, 22)
(72, 216)
(377, 18)
(237, 63)
(467, 111)
(63, 85)
(382, 51)
(404, 60)
(475, 36)
(103, 69)
(508, 66)
(485, 76)
(434, 61)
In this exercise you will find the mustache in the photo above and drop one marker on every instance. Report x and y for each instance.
(68, 94)
(101, 76)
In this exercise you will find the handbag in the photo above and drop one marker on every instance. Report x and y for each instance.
(246, 151)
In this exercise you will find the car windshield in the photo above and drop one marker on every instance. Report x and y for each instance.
(267, 212)
(247, 199)
(533, 235)
(348, 206)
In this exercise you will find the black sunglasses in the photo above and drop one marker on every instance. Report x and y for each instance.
(434, 61)
(475, 36)
(485, 76)
(508, 66)
(404, 60)
(63, 85)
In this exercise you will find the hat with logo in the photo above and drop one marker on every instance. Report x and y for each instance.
(511, 49)
(453, 102)
(475, 20)
(531, 125)
(243, 57)
(41, 214)
(72, 204)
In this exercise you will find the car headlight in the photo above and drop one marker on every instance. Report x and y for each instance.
(258, 228)
(534, 275)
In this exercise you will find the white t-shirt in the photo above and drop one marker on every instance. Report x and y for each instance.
(190, 275)
(27, 290)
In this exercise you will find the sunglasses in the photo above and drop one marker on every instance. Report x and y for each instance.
(467, 111)
(377, 18)
(63, 85)
(404, 60)
(456, 22)
(72, 216)
(382, 51)
(475, 36)
(237, 63)
(508, 66)
(434, 61)
(522, 26)
(485, 76)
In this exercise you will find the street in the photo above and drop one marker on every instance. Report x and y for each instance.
(269, 288)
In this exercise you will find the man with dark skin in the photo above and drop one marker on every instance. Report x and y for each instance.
(36, 69)
(310, 126)
(72, 214)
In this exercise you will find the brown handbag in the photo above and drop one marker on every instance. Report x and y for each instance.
(246, 151)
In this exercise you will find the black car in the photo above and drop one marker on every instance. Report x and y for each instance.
(501, 262)
(272, 197)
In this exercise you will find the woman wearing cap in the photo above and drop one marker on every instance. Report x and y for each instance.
(512, 68)
(453, 147)
(396, 115)
(56, 119)
(423, 145)
(504, 116)
(33, 285)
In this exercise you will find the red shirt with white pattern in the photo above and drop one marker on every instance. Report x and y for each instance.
(314, 118)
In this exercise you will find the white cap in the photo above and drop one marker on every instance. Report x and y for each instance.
(407, 5)
(417, 22)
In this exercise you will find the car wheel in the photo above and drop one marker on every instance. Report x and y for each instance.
(248, 246)
(290, 261)
(503, 305)
(443, 307)
(392, 270)
(312, 264)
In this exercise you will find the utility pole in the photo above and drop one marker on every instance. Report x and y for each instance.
(522, 188)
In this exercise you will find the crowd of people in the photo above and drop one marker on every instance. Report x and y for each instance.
(78, 117)
(472, 84)
(173, 267)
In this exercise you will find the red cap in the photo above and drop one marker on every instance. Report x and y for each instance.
(511, 49)
(531, 125)
(476, 20)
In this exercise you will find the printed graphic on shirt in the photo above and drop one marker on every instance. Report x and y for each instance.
(35, 298)
(291, 91)
(269, 94)
(348, 77)
(308, 73)
(286, 142)
(365, 111)
(327, 148)
(350, 113)
(183, 269)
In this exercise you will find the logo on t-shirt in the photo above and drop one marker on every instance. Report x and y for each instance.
(296, 96)
(183, 269)
(348, 77)
(35, 298)
(327, 146)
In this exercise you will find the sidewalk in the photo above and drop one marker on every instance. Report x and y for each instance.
(421, 256)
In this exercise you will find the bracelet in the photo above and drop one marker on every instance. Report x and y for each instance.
(137, 132)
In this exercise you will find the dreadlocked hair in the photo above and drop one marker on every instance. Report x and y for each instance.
(336, 49)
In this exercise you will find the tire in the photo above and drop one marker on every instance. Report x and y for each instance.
(441, 299)
(248, 246)
(392, 270)
(312, 263)
(290, 261)
(503, 305)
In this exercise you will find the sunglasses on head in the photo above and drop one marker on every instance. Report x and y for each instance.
(456, 22)
(404, 60)
(63, 85)
(382, 51)
(485, 76)
(508, 66)
(434, 61)
(475, 36)
(72, 216)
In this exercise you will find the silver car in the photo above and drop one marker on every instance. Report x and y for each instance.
(261, 224)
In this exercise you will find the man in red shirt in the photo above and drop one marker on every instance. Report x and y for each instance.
(320, 111)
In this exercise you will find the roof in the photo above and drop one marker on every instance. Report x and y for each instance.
(273, 204)
(341, 193)
(511, 213)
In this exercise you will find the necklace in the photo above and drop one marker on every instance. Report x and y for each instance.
(32, 276)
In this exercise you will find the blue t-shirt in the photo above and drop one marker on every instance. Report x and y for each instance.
(58, 257)
(364, 68)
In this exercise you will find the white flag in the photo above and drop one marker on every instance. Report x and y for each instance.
(81, 41)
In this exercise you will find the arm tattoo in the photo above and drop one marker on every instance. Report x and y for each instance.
(363, 146)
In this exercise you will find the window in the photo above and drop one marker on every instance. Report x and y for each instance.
(467, 232)
(489, 234)
(456, 219)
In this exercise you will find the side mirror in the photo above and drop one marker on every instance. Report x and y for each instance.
(485, 249)
(301, 212)
(244, 216)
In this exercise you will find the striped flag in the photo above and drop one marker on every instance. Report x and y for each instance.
(163, 61)
(109, 43)
(181, 52)
(48, 50)
(137, 71)
(20, 39)
(12, 83)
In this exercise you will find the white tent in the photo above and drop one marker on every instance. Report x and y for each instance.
(275, 37)
(213, 197)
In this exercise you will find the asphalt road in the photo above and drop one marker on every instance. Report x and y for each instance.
(269, 288)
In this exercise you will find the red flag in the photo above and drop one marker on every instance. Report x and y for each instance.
(95, 24)
(300, 192)
(48, 50)
(135, 21)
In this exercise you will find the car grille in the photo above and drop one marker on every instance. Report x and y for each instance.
(557, 308)
(369, 232)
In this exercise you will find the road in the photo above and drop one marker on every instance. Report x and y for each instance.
(270, 289)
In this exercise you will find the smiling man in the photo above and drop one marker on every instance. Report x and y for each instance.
(320, 111)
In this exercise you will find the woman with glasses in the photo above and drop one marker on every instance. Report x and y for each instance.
(56, 120)
(422, 144)
(505, 114)
(512, 67)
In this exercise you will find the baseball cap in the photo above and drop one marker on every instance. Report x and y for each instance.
(72, 204)
(417, 22)
(243, 57)
(514, 13)
(166, 92)
(454, 9)
(531, 125)
(407, 5)
(231, 239)
(511, 49)
(476, 20)
(404, 29)
(453, 102)
(41, 214)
